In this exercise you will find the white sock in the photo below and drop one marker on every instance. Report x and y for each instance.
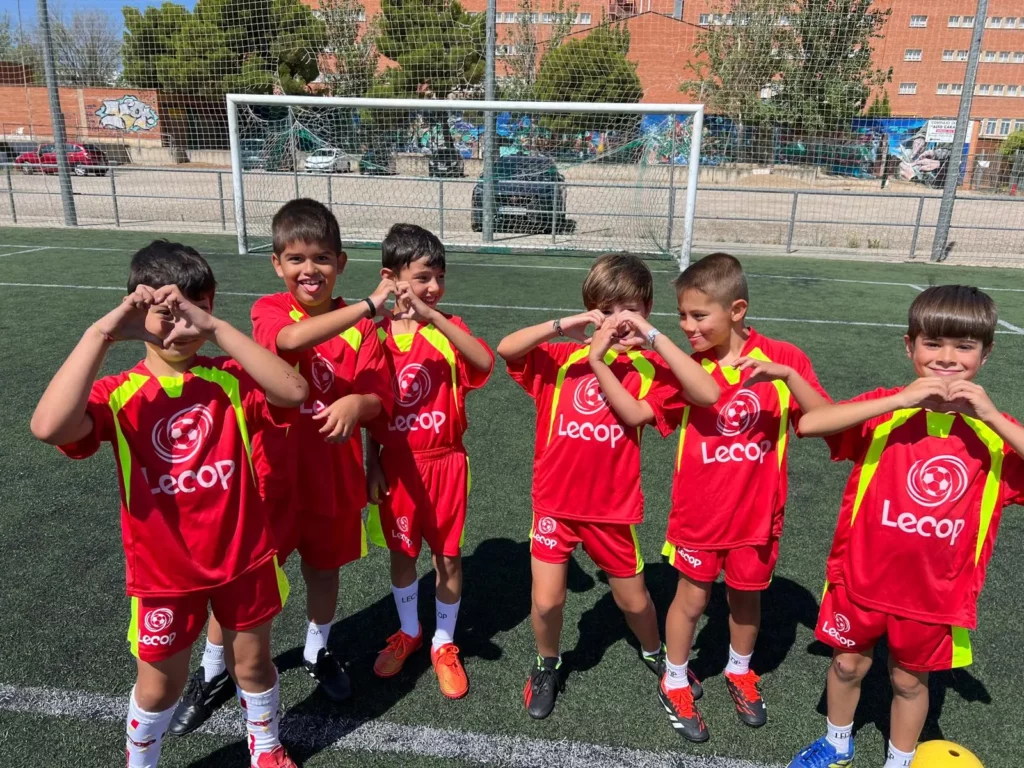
(447, 615)
(316, 638)
(675, 675)
(651, 654)
(213, 660)
(407, 602)
(738, 665)
(839, 736)
(261, 719)
(144, 734)
(896, 759)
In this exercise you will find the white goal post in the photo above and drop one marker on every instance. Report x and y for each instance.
(493, 175)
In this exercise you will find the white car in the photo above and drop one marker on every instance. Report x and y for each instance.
(328, 160)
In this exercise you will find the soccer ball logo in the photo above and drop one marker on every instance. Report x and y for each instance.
(403, 524)
(739, 414)
(588, 398)
(842, 623)
(158, 620)
(411, 385)
(937, 481)
(546, 526)
(323, 373)
(180, 437)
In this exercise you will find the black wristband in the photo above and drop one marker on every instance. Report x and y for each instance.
(372, 306)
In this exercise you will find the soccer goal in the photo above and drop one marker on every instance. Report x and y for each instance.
(483, 175)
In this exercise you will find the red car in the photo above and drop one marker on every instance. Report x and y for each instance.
(83, 159)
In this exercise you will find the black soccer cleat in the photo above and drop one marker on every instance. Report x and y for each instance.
(746, 695)
(197, 703)
(331, 675)
(543, 687)
(656, 664)
(684, 717)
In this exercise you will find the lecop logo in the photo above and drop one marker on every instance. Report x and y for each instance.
(180, 437)
(739, 414)
(411, 385)
(842, 623)
(588, 398)
(546, 525)
(936, 481)
(323, 373)
(158, 620)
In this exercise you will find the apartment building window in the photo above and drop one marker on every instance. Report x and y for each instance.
(995, 22)
(990, 127)
(967, 21)
(705, 19)
(912, 54)
(545, 18)
(956, 89)
(983, 89)
(942, 89)
(908, 89)
(584, 18)
(989, 56)
(948, 55)
(919, 21)
(961, 55)
(1004, 57)
(1011, 22)
(1004, 128)
(1018, 57)
(954, 21)
(1018, 125)
(997, 90)
(1011, 90)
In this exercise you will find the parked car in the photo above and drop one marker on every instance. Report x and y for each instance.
(378, 162)
(529, 196)
(83, 159)
(446, 163)
(328, 160)
(253, 154)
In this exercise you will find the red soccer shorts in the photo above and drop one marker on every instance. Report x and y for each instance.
(914, 645)
(163, 626)
(427, 497)
(613, 547)
(324, 542)
(747, 569)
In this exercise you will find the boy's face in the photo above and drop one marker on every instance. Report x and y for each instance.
(953, 359)
(309, 271)
(160, 323)
(427, 282)
(625, 306)
(706, 323)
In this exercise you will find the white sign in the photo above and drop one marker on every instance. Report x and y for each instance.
(940, 131)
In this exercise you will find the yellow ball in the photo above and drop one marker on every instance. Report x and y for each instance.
(944, 754)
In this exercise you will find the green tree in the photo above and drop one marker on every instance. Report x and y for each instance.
(350, 65)
(22, 48)
(523, 60)
(1013, 144)
(880, 107)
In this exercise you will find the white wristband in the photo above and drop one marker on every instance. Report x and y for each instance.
(651, 336)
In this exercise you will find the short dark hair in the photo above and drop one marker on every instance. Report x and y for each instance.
(618, 278)
(406, 243)
(718, 276)
(307, 221)
(953, 312)
(164, 263)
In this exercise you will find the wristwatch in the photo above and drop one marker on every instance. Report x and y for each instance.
(557, 327)
(651, 336)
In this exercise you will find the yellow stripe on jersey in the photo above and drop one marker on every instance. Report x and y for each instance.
(990, 496)
(682, 437)
(575, 357)
(879, 438)
(636, 548)
(440, 342)
(403, 341)
(173, 385)
(667, 550)
(283, 587)
(354, 337)
(785, 405)
(940, 424)
(364, 548)
(118, 399)
(133, 628)
(375, 529)
(233, 389)
(963, 656)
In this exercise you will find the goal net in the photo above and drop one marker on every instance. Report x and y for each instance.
(531, 176)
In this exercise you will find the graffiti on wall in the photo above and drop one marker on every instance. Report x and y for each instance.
(127, 113)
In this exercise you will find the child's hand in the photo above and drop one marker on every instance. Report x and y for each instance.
(381, 293)
(970, 398)
(376, 483)
(575, 326)
(762, 370)
(929, 391)
(605, 337)
(409, 306)
(127, 321)
(189, 319)
(340, 419)
(632, 329)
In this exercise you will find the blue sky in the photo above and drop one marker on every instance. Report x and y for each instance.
(113, 7)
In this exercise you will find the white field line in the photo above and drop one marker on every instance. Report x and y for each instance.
(24, 251)
(313, 732)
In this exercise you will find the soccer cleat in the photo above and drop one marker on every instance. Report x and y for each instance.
(276, 758)
(197, 702)
(656, 664)
(747, 697)
(331, 675)
(400, 646)
(543, 687)
(451, 675)
(682, 714)
(822, 754)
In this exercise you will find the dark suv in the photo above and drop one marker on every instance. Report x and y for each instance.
(529, 196)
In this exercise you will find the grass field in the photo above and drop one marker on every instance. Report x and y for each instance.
(65, 669)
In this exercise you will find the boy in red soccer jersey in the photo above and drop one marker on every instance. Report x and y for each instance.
(935, 462)
(417, 470)
(335, 348)
(194, 527)
(593, 398)
(729, 486)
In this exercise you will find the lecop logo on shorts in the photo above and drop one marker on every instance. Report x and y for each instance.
(180, 437)
(158, 619)
(937, 481)
(842, 623)
(739, 414)
(411, 385)
(546, 525)
(403, 524)
(689, 556)
(588, 398)
(322, 373)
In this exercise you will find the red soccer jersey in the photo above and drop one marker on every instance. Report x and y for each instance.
(326, 478)
(921, 512)
(729, 487)
(586, 462)
(429, 381)
(191, 514)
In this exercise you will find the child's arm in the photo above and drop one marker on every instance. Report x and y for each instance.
(317, 330)
(520, 343)
(471, 349)
(699, 387)
(830, 419)
(807, 397)
(282, 385)
(977, 400)
(633, 412)
(61, 416)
